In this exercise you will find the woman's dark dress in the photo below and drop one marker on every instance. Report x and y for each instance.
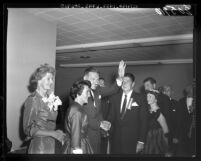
(37, 116)
(155, 141)
(76, 127)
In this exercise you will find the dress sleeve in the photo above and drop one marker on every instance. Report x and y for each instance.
(76, 124)
(157, 114)
(94, 123)
(30, 117)
(143, 118)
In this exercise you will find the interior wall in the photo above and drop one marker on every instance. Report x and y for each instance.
(177, 75)
(31, 41)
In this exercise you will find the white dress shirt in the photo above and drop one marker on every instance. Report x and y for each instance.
(189, 101)
(128, 98)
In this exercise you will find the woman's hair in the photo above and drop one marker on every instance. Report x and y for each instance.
(42, 71)
(156, 94)
(39, 73)
(78, 87)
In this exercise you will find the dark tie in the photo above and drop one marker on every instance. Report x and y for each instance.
(124, 105)
(92, 99)
(92, 96)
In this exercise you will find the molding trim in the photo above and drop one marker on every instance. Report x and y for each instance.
(145, 62)
(151, 40)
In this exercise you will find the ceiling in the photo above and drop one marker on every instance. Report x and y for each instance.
(94, 25)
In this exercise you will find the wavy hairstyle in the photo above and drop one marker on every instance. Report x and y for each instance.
(156, 94)
(78, 87)
(42, 71)
(39, 73)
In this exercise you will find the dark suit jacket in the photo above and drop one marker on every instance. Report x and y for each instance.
(184, 120)
(174, 109)
(94, 115)
(105, 106)
(133, 128)
(165, 106)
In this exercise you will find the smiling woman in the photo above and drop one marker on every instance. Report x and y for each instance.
(39, 121)
(76, 121)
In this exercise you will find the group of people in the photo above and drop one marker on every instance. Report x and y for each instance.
(111, 119)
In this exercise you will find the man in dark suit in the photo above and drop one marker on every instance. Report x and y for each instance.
(174, 113)
(186, 124)
(105, 107)
(128, 116)
(93, 107)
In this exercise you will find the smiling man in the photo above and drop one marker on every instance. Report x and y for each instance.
(93, 107)
(128, 116)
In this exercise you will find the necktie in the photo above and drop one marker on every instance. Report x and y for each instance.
(92, 96)
(124, 105)
(93, 99)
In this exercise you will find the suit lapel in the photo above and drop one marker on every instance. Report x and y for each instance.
(132, 96)
(97, 101)
(119, 97)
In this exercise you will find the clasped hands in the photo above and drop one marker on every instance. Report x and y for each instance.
(60, 136)
(105, 125)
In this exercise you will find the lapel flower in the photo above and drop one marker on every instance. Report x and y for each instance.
(52, 101)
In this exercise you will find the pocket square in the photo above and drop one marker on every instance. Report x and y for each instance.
(99, 96)
(134, 104)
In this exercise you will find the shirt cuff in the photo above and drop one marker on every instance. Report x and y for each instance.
(140, 142)
(77, 151)
(119, 81)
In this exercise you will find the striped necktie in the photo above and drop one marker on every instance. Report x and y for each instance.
(124, 106)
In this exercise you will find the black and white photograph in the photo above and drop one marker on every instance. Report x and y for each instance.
(108, 81)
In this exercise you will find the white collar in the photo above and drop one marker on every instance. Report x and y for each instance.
(128, 97)
(128, 94)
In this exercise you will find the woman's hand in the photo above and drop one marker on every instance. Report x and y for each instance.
(59, 135)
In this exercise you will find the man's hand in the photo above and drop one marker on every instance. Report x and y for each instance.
(175, 140)
(105, 125)
(122, 67)
(139, 147)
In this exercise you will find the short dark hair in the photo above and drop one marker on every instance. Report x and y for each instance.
(130, 75)
(101, 78)
(77, 88)
(161, 89)
(151, 79)
(91, 69)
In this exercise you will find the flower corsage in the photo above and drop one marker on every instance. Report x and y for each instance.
(52, 101)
